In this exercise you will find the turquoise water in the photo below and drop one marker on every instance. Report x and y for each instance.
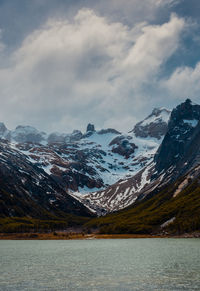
(131, 264)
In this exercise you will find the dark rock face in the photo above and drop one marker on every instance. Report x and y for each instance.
(72, 180)
(181, 138)
(155, 125)
(76, 174)
(75, 136)
(122, 146)
(90, 127)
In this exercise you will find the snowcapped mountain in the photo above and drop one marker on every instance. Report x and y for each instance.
(177, 156)
(138, 147)
(82, 163)
(96, 159)
(104, 171)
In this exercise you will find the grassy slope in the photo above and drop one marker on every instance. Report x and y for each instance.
(147, 216)
(39, 219)
(27, 224)
(143, 218)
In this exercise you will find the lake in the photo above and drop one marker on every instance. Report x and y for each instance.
(105, 264)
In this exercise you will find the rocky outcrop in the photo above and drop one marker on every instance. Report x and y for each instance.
(122, 146)
(181, 142)
(90, 127)
(155, 125)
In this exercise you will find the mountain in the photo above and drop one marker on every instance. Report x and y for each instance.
(173, 210)
(45, 167)
(177, 155)
(94, 160)
(164, 195)
(149, 173)
(146, 137)
(26, 190)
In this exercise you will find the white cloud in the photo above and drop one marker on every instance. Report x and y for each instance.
(66, 74)
(152, 48)
(184, 83)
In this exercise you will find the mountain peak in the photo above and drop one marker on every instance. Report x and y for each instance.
(90, 127)
(158, 110)
(186, 110)
(2, 127)
(27, 133)
(188, 101)
(183, 127)
(154, 125)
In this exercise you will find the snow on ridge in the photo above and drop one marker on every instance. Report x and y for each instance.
(163, 116)
(191, 122)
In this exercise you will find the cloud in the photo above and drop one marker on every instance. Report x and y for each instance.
(68, 73)
(183, 83)
(152, 48)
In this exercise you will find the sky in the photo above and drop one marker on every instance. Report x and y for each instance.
(65, 63)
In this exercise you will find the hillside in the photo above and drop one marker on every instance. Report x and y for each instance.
(170, 211)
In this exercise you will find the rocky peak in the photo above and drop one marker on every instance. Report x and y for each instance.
(185, 111)
(158, 111)
(155, 125)
(27, 134)
(3, 128)
(90, 127)
(183, 128)
(123, 146)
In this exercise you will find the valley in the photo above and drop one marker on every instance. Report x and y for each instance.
(144, 181)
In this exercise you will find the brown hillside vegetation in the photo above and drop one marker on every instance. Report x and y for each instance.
(146, 217)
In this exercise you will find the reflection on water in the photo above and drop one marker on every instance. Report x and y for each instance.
(132, 264)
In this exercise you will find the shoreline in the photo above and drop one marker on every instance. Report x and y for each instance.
(81, 236)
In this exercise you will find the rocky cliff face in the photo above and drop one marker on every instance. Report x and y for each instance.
(181, 142)
(155, 125)
(90, 127)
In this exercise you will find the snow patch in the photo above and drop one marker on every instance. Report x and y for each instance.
(192, 123)
(166, 223)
